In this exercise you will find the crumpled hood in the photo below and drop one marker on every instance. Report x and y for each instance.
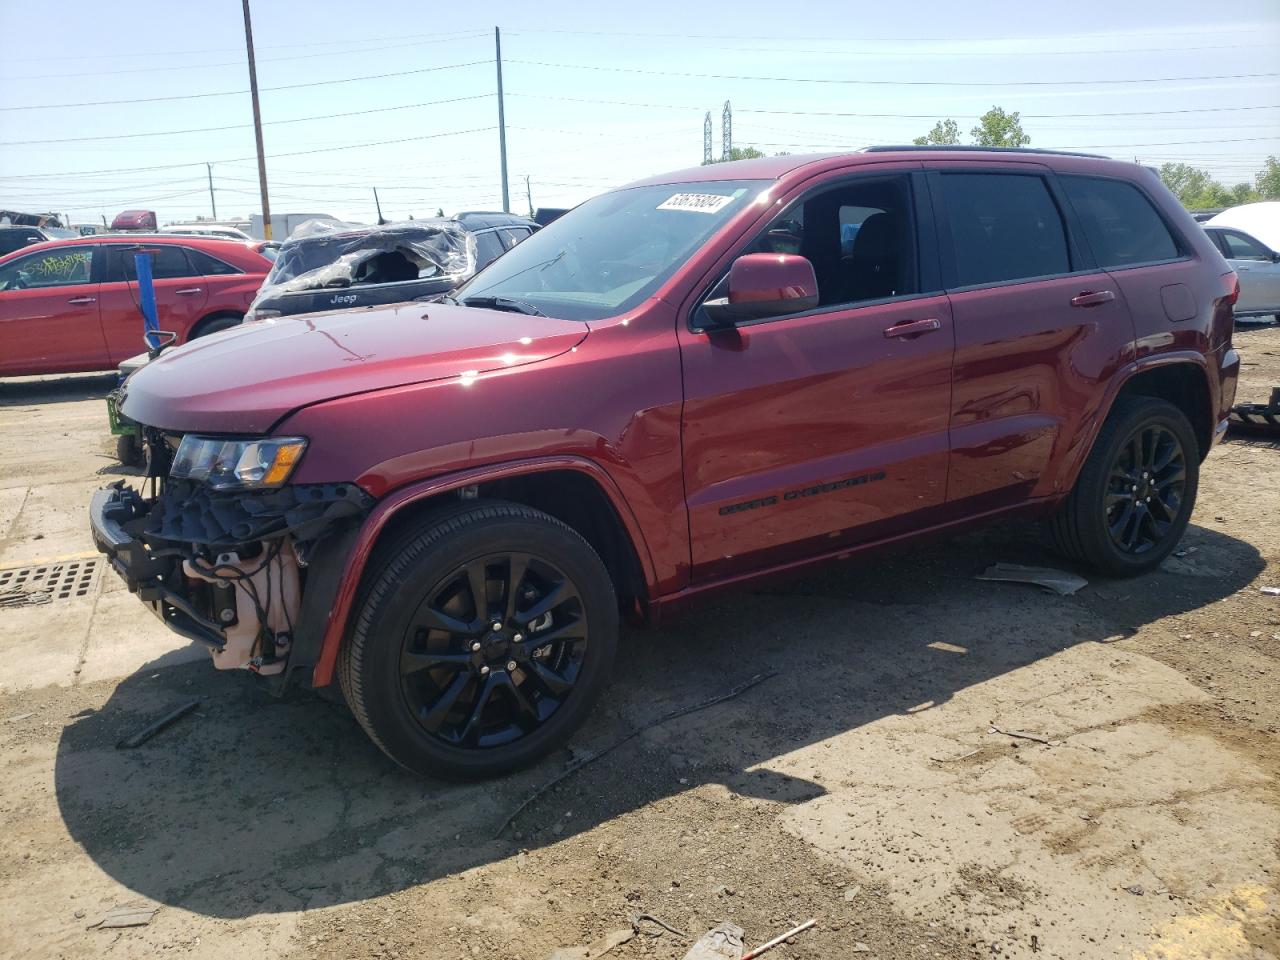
(245, 379)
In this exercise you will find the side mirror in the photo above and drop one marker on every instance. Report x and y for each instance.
(764, 285)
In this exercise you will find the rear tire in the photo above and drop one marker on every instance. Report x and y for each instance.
(454, 686)
(1133, 498)
(214, 324)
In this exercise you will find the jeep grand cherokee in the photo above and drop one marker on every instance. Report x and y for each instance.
(688, 383)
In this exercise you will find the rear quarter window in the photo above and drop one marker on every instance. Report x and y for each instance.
(1122, 226)
(209, 266)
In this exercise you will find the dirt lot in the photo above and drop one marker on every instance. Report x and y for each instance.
(860, 785)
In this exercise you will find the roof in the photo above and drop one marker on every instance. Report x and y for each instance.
(222, 246)
(963, 148)
(131, 237)
(470, 221)
(772, 168)
(761, 168)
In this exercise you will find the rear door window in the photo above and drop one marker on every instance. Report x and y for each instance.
(1240, 246)
(168, 262)
(1120, 223)
(1003, 227)
(513, 235)
(488, 248)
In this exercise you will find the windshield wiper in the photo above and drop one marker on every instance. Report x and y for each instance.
(509, 304)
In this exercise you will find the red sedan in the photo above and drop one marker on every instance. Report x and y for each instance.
(70, 306)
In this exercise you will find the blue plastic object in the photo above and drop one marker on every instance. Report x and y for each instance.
(147, 299)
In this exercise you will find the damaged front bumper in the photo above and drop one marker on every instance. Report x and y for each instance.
(248, 574)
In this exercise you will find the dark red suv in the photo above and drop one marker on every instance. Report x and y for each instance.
(69, 306)
(685, 384)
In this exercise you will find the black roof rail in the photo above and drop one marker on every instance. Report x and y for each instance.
(968, 148)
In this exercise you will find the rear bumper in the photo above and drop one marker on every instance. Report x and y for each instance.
(156, 580)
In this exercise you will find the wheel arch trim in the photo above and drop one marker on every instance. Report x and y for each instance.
(393, 503)
(1123, 377)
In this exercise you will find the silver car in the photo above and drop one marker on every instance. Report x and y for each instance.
(1258, 267)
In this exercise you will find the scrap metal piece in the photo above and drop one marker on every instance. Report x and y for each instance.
(149, 731)
(124, 917)
(1058, 581)
(722, 942)
(1258, 418)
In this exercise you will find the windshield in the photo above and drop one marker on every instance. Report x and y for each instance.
(607, 255)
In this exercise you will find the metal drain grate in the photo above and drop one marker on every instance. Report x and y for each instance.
(59, 581)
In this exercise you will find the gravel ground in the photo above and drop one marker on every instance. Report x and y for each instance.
(860, 784)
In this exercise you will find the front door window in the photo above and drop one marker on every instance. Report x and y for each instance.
(69, 266)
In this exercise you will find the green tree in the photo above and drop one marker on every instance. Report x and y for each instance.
(1268, 180)
(738, 153)
(999, 129)
(1197, 190)
(944, 133)
(1186, 182)
(1243, 193)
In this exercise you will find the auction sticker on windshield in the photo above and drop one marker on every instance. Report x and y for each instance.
(697, 202)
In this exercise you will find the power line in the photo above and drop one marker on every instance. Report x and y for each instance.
(232, 93)
(889, 116)
(245, 126)
(239, 63)
(891, 83)
(275, 46)
(987, 54)
(1197, 31)
(201, 163)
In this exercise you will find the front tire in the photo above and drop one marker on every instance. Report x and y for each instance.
(1133, 499)
(482, 643)
(129, 450)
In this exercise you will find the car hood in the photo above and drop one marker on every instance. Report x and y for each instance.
(246, 379)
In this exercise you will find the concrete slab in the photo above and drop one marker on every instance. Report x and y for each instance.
(52, 522)
(40, 645)
(125, 636)
(11, 499)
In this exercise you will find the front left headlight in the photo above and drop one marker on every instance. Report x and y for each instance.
(229, 463)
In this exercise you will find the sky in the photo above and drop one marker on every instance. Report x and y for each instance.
(131, 99)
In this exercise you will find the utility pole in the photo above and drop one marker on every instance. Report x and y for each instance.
(378, 204)
(257, 124)
(502, 120)
(707, 159)
(212, 202)
(528, 192)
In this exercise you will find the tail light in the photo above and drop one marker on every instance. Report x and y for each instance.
(1230, 288)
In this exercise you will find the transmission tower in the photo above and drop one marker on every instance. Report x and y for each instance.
(706, 140)
(726, 132)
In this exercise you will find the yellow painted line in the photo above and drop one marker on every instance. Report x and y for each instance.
(1219, 931)
(43, 561)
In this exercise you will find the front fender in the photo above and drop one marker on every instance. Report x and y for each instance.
(375, 523)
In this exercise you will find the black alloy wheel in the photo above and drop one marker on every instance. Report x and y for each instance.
(494, 650)
(1145, 489)
(485, 634)
(1134, 495)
